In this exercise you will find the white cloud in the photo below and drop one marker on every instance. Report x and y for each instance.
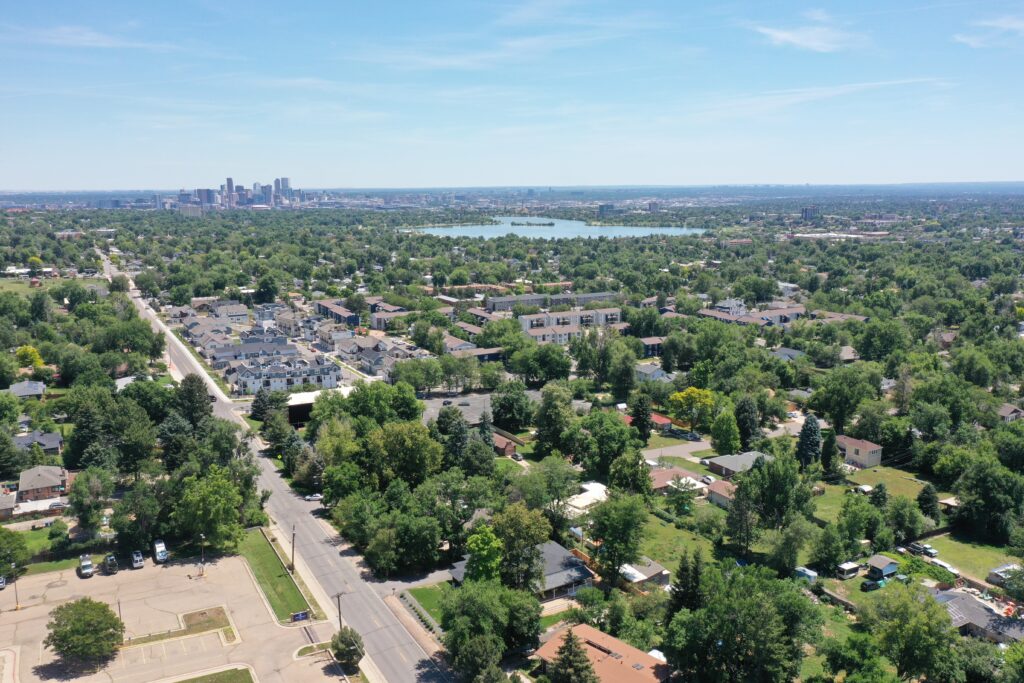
(993, 32)
(82, 37)
(821, 35)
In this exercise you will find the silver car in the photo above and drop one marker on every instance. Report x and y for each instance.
(138, 561)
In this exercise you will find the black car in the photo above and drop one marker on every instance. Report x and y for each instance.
(110, 564)
(446, 402)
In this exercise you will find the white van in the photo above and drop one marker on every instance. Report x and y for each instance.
(159, 552)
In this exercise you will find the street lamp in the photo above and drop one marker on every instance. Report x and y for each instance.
(202, 553)
(14, 579)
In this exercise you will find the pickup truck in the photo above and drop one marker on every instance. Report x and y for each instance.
(85, 567)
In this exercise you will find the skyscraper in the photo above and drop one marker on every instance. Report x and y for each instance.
(229, 198)
(286, 184)
(277, 186)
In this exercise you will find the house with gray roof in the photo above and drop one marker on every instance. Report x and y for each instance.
(50, 442)
(972, 617)
(562, 572)
(42, 482)
(27, 389)
(729, 466)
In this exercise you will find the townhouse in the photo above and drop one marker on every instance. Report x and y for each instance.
(281, 374)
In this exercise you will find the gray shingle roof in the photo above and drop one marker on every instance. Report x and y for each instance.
(27, 388)
(40, 477)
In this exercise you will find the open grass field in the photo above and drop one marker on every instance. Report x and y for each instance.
(507, 466)
(37, 540)
(429, 598)
(664, 543)
(272, 576)
(19, 286)
(898, 482)
(971, 558)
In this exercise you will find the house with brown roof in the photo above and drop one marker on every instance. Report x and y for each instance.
(663, 479)
(504, 446)
(1009, 413)
(721, 493)
(859, 452)
(613, 660)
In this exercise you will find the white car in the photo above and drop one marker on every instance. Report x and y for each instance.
(138, 561)
(313, 497)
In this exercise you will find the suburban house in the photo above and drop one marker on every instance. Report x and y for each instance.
(27, 389)
(381, 319)
(453, 344)
(235, 313)
(613, 661)
(222, 357)
(8, 503)
(848, 354)
(51, 442)
(651, 372)
(721, 493)
(645, 572)
(788, 355)
(562, 572)
(858, 452)
(266, 312)
(661, 423)
(663, 480)
(503, 446)
(471, 330)
(972, 617)
(882, 567)
(729, 466)
(42, 482)
(735, 307)
(593, 493)
(999, 575)
(1009, 413)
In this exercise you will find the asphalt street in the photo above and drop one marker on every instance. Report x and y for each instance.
(393, 651)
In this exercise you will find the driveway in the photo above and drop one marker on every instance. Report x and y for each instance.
(152, 600)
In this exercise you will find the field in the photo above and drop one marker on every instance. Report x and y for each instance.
(971, 558)
(429, 598)
(272, 576)
(664, 543)
(507, 466)
(19, 286)
(897, 482)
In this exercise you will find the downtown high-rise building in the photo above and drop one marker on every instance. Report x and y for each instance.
(229, 197)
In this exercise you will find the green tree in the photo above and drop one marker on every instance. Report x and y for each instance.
(914, 630)
(266, 290)
(136, 516)
(839, 394)
(193, 400)
(928, 503)
(618, 523)
(748, 421)
(622, 371)
(209, 505)
(742, 520)
(554, 415)
(725, 434)
(879, 496)
(88, 496)
(830, 456)
(788, 543)
(629, 473)
(511, 406)
(11, 459)
(28, 357)
(84, 631)
(640, 411)
(808, 444)
(485, 555)
(571, 664)
(776, 490)
(521, 532)
(347, 647)
(905, 519)
(692, 404)
(13, 550)
(829, 550)
(689, 590)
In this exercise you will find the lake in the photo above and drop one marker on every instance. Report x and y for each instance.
(562, 229)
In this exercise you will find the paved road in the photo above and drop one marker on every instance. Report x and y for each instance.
(390, 647)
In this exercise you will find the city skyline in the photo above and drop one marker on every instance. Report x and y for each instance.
(554, 93)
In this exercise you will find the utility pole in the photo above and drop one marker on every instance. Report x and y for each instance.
(119, 615)
(293, 549)
(13, 571)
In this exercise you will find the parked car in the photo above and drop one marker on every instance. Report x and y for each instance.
(463, 403)
(3, 582)
(110, 565)
(518, 457)
(691, 436)
(57, 505)
(704, 461)
(138, 561)
(707, 479)
(948, 567)
(85, 567)
(916, 548)
(930, 551)
(313, 497)
(446, 402)
(160, 554)
(872, 585)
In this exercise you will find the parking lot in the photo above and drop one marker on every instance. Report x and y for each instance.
(151, 601)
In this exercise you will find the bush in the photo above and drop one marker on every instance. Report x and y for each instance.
(347, 647)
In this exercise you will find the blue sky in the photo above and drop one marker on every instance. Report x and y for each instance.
(346, 93)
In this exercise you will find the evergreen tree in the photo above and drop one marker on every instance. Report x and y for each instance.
(193, 399)
(571, 664)
(686, 588)
(747, 421)
(830, 456)
(928, 501)
(880, 496)
(808, 445)
(640, 411)
(260, 404)
(486, 427)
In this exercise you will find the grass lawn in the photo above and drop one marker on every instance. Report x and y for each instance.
(429, 598)
(311, 649)
(550, 620)
(971, 558)
(661, 441)
(272, 576)
(37, 540)
(664, 543)
(228, 676)
(19, 286)
(837, 625)
(507, 466)
(690, 465)
(897, 482)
